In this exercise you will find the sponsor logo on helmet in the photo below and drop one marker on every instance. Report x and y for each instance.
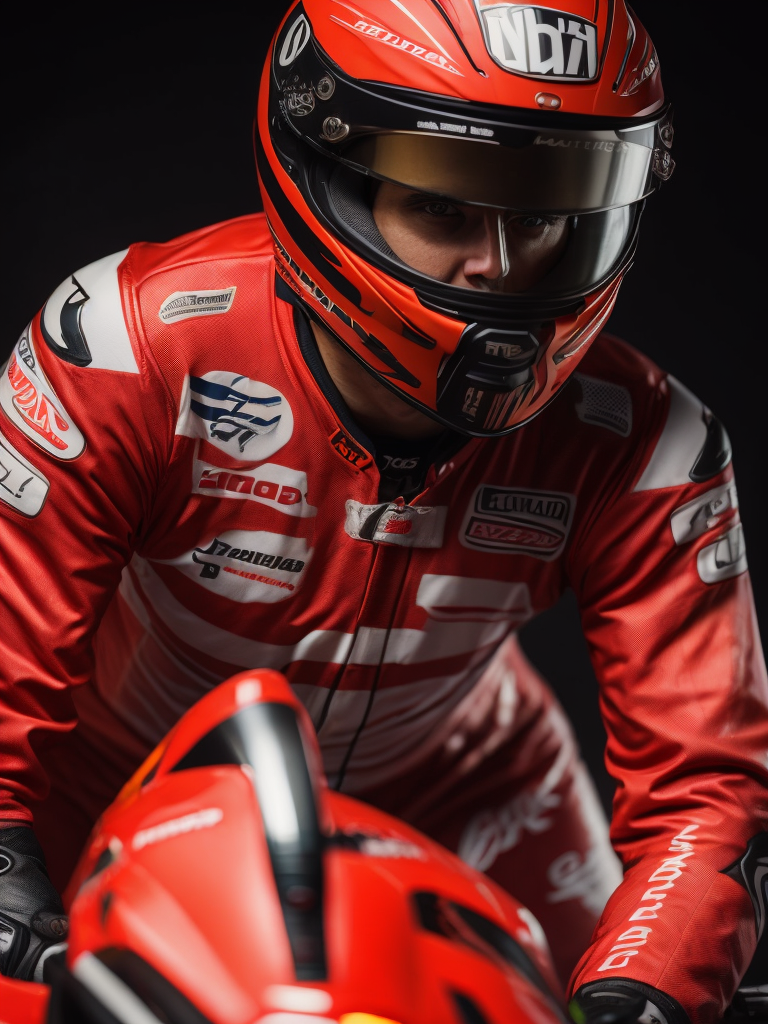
(646, 72)
(247, 565)
(245, 418)
(429, 55)
(183, 305)
(350, 450)
(21, 485)
(511, 520)
(296, 37)
(410, 526)
(30, 403)
(539, 42)
(277, 486)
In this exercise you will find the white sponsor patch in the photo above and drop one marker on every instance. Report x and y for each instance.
(410, 526)
(83, 321)
(177, 827)
(538, 41)
(703, 513)
(513, 520)
(21, 485)
(604, 404)
(277, 486)
(31, 404)
(245, 418)
(724, 559)
(247, 565)
(183, 305)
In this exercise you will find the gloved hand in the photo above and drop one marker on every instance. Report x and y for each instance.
(622, 1001)
(33, 924)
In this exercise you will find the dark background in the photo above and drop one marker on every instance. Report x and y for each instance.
(140, 128)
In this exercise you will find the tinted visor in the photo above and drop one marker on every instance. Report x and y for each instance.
(556, 172)
(451, 239)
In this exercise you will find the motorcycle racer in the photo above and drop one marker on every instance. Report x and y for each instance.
(635, 507)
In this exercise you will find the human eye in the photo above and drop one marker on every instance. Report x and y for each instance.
(533, 221)
(431, 207)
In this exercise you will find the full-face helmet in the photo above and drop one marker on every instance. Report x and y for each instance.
(534, 130)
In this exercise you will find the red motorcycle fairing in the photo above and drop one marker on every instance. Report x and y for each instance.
(227, 884)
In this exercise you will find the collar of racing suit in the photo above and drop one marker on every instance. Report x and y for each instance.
(403, 463)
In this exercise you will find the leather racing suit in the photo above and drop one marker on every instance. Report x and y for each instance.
(185, 496)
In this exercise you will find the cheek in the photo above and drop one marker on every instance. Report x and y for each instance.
(532, 258)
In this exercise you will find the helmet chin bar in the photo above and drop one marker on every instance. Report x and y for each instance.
(490, 375)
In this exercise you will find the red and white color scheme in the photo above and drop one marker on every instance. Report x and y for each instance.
(137, 589)
(228, 885)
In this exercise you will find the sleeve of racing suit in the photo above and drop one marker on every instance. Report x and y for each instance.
(667, 609)
(85, 431)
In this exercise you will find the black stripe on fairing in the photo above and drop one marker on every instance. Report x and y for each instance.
(266, 737)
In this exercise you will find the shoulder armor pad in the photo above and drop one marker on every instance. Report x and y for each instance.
(83, 321)
(693, 446)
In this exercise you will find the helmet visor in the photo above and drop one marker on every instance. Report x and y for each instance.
(449, 238)
(554, 172)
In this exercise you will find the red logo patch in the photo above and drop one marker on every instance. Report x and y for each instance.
(350, 450)
(398, 525)
(34, 407)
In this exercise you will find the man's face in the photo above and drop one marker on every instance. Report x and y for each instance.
(469, 246)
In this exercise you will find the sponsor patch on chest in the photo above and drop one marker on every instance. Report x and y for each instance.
(247, 565)
(245, 418)
(31, 404)
(276, 486)
(409, 526)
(513, 520)
(183, 305)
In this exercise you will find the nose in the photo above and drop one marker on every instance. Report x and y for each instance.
(486, 254)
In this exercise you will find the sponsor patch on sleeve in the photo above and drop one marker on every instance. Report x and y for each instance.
(30, 403)
(21, 485)
(245, 418)
(183, 305)
(512, 520)
(725, 558)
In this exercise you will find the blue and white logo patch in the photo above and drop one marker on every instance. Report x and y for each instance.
(245, 418)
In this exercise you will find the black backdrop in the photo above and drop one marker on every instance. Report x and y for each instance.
(140, 128)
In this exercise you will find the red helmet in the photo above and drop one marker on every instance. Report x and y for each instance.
(532, 121)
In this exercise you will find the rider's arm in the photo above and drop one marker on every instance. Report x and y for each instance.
(660, 573)
(84, 429)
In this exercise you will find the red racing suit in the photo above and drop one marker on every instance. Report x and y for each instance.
(182, 501)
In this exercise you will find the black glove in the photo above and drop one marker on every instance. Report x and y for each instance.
(622, 1001)
(33, 924)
